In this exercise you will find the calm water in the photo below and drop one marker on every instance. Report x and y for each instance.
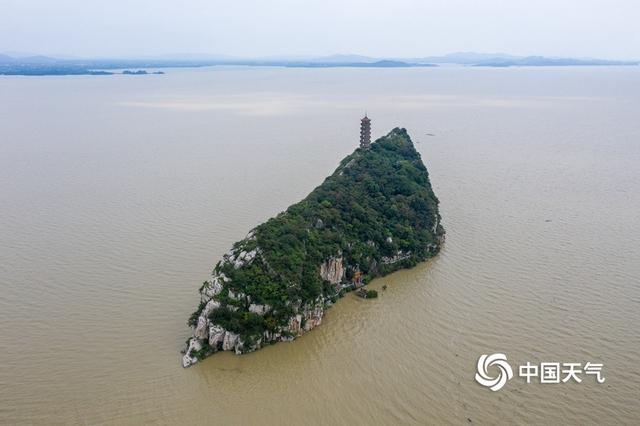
(118, 194)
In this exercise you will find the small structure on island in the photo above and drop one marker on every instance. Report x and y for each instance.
(365, 132)
(357, 279)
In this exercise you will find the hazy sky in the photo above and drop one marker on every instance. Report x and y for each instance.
(598, 28)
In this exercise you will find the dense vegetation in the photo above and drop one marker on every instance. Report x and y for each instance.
(377, 211)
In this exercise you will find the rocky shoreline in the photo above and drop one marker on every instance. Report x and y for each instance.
(209, 338)
(217, 338)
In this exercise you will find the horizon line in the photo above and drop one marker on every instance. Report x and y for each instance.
(15, 54)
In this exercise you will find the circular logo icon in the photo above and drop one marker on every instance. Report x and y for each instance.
(504, 371)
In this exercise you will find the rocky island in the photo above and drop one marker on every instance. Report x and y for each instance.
(375, 214)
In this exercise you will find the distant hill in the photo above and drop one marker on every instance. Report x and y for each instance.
(46, 65)
(465, 58)
(385, 63)
(541, 61)
(341, 58)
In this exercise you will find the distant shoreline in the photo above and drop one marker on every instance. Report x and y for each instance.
(43, 65)
(52, 71)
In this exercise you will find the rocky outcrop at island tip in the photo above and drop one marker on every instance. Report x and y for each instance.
(375, 214)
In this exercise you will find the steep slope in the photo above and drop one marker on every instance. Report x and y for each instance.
(375, 214)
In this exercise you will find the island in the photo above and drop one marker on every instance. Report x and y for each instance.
(375, 214)
(141, 72)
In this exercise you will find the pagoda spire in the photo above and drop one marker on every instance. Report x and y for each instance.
(365, 132)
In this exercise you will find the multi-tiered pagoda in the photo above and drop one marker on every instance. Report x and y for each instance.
(365, 132)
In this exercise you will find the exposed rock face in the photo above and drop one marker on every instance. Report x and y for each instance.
(332, 270)
(210, 307)
(213, 287)
(244, 257)
(313, 316)
(230, 341)
(217, 338)
(309, 318)
(275, 284)
(189, 357)
(390, 260)
(201, 331)
(259, 309)
(216, 335)
(295, 325)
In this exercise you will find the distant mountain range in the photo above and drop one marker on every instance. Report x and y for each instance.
(12, 63)
(482, 59)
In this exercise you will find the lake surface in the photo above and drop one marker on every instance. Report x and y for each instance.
(118, 194)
